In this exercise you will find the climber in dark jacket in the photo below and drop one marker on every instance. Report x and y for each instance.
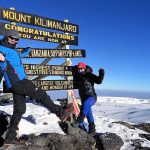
(85, 79)
(16, 82)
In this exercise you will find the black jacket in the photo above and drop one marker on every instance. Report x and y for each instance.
(85, 82)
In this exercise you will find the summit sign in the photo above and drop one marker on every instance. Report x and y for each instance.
(34, 20)
(40, 35)
(54, 53)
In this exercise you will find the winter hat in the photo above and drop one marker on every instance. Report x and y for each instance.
(13, 33)
(82, 65)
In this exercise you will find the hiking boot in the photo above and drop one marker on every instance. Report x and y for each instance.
(9, 142)
(78, 121)
(92, 129)
(11, 138)
(64, 113)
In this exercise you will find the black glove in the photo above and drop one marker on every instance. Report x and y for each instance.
(101, 72)
(28, 47)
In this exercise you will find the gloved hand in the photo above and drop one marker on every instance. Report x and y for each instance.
(28, 47)
(101, 71)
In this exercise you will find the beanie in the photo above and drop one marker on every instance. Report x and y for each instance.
(13, 33)
(82, 65)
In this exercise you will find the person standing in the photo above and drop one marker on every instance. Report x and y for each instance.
(85, 80)
(16, 81)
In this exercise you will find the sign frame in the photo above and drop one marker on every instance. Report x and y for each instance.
(54, 53)
(35, 20)
(56, 70)
(27, 33)
(55, 84)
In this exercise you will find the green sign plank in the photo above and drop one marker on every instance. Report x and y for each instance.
(35, 69)
(55, 84)
(40, 35)
(34, 20)
(54, 53)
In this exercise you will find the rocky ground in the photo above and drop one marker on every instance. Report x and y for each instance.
(75, 139)
(121, 124)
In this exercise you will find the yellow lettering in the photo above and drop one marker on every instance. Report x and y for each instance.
(16, 16)
(36, 21)
(5, 14)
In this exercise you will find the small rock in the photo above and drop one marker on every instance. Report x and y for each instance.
(136, 142)
(45, 123)
(146, 136)
(143, 126)
(125, 124)
(108, 141)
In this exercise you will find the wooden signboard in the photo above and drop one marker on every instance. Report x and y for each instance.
(35, 69)
(54, 84)
(40, 35)
(30, 19)
(54, 53)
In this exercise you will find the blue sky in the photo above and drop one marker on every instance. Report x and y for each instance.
(114, 33)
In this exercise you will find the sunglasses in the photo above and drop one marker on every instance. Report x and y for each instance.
(81, 69)
(13, 38)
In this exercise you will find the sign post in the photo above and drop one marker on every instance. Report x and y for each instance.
(69, 63)
(64, 39)
(70, 93)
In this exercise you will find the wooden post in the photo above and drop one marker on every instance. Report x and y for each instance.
(68, 63)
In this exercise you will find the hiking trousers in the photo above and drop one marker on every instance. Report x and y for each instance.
(25, 88)
(86, 108)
